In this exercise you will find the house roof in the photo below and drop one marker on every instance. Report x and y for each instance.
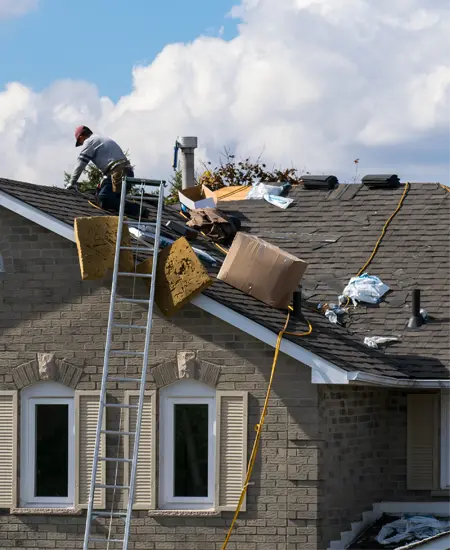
(335, 233)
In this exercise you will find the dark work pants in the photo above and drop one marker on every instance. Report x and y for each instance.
(111, 201)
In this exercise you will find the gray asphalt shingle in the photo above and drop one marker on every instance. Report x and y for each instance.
(335, 232)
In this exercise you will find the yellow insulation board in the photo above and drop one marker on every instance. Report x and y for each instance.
(180, 276)
(96, 244)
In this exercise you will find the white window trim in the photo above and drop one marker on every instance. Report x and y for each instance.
(43, 393)
(445, 439)
(194, 393)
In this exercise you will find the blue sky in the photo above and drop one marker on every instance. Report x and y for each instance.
(100, 40)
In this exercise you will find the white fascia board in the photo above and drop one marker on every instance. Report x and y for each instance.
(322, 371)
(420, 508)
(379, 380)
(36, 216)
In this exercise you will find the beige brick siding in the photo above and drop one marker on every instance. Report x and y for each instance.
(45, 307)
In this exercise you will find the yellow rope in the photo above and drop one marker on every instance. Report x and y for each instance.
(383, 231)
(445, 187)
(260, 425)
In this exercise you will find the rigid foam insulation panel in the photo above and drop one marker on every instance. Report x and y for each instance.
(96, 244)
(180, 276)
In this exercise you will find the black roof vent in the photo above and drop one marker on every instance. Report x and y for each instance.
(319, 182)
(416, 319)
(381, 180)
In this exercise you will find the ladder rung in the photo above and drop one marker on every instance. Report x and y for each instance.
(115, 432)
(140, 181)
(125, 352)
(132, 300)
(105, 540)
(120, 406)
(137, 222)
(109, 459)
(123, 379)
(134, 274)
(106, 486)
(110, 514)
(130, 326)
(137, 248)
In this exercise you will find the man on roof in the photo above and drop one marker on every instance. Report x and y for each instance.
(109, 158)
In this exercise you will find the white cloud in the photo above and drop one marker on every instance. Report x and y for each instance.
(15, 8)
(316, 83)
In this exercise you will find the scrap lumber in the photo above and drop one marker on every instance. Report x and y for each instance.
(96, 244)
(180, 276)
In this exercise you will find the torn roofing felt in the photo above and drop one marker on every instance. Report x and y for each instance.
(335, 232)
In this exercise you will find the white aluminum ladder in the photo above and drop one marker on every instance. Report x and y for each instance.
(125, 515)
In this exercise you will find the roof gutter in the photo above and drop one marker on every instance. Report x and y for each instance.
(390, 381)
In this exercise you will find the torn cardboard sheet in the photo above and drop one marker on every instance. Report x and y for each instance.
(96, 244)
(180, 276)
(262, 270)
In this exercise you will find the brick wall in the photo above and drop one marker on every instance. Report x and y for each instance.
(363, 433)
(45, 307)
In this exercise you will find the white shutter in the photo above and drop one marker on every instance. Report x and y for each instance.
(8, 449)
(86, 416)
(231, 448)
(423, 441)
(144, 495)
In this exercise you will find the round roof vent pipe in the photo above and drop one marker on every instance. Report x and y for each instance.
(416, 319)
(187, 145)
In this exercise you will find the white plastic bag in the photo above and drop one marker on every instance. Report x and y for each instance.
(260, 189)
(375, 341)
(364, 288)
(413, 528)
(282, 202)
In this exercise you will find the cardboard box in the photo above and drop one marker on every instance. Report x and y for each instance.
(195, 198)
(180, 276)
(262, 270)
(230, 193)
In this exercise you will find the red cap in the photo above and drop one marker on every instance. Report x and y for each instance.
(78, 131)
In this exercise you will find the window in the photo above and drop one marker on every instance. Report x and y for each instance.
(2, 268)
(47, 446)
(445, 439)
(187, 446)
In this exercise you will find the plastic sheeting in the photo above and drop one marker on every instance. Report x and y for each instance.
(410, 529)
(364, 288)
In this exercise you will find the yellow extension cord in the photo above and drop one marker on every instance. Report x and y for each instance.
(260, 425)
(275, 359)
(282, 333)
(383, 232)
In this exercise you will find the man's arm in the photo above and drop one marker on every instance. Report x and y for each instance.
(84, 158)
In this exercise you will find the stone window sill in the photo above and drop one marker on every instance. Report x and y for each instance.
(45, 511)
(185, 513)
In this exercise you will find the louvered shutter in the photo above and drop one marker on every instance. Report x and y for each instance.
(86, 411)
(231, 449)
(144, 498)
(8, 448)
(423, 442)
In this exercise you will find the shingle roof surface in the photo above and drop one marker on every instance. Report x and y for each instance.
(335, 233)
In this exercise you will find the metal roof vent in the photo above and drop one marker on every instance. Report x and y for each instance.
(319, 182)
(381, 180)
(416, 320)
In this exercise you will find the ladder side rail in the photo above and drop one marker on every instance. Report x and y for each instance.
(144, 367)
(105, 371)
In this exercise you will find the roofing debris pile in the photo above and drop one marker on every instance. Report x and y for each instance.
(252, 265)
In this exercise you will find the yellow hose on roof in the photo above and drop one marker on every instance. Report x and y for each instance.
(260, 424)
